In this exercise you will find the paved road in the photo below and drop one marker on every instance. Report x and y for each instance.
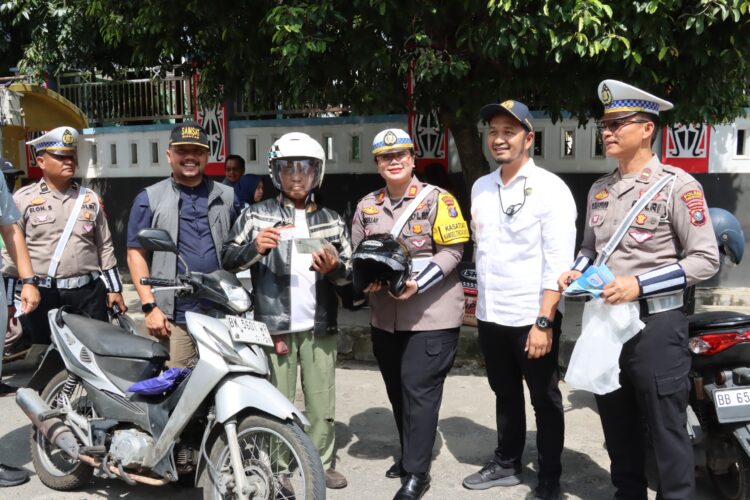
(366, 439)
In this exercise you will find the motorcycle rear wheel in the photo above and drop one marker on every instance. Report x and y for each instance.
(735, 483)
(54, 468)
(279, 459)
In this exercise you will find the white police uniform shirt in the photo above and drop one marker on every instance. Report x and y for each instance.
(519, 256)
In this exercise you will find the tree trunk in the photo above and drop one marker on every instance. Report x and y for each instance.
(469, 145)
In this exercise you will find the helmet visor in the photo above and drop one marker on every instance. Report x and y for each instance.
(296, 173)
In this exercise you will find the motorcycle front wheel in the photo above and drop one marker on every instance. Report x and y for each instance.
(279, 459)
(734, 484)
(53, 466)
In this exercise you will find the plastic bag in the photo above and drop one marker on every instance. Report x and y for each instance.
(595, 362)
(165, 382)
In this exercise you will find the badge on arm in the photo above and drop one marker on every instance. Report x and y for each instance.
(449, 227)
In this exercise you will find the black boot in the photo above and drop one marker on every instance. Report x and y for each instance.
(414, 487)
(396, 470)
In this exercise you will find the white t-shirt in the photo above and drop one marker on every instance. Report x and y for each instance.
(302, 280)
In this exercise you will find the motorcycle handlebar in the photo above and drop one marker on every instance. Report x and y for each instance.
(158, 282)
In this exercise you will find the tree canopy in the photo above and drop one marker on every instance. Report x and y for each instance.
(550, 54)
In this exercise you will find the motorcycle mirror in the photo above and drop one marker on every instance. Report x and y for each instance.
(156, 240)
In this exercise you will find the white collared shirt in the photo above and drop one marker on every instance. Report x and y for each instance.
(519, 256)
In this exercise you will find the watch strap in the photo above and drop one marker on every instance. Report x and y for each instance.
(148, 307)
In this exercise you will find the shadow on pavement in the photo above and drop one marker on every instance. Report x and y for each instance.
(580, 400)
(469, 442)
(374, 435)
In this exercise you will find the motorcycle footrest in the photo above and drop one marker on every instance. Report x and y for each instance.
(93, 450)
(46, 415)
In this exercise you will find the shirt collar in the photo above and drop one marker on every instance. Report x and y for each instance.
(310, 205)
(526, 171)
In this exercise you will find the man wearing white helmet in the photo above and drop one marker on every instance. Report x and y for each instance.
(298, 252)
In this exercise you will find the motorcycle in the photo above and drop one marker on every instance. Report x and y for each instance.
(718, 415)
(224, 424)
(19, 346)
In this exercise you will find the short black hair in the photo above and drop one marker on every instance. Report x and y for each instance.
(653, 119)
(239, 159)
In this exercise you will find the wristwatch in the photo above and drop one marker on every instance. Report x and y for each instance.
(148, 307)
(33, 280)
(543, 322)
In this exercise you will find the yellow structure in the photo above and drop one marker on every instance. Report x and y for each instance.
(41, 109)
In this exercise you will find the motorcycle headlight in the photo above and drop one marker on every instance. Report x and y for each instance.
(238, 297)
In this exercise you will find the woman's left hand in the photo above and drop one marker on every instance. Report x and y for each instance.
(411, 289)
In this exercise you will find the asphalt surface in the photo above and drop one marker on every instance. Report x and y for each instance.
(366, 441)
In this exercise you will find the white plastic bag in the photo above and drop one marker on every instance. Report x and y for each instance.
(595, 363)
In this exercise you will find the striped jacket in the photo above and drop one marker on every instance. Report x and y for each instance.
(271, 273)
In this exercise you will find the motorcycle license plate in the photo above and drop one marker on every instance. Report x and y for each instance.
(732, 405)
(248, 331)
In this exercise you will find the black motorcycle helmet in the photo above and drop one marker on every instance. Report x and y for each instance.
(380, 258)
(729, 235)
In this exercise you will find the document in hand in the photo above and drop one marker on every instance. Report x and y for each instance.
(591, 283)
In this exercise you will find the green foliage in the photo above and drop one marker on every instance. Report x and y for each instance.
(550, 54)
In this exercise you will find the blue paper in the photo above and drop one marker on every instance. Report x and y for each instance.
(590, 283)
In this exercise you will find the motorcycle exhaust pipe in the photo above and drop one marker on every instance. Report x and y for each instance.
(53, 429)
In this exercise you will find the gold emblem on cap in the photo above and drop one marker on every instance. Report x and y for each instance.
(191, 133)
(606, 95)
(507, 104)
(67, 138)
(390, 138)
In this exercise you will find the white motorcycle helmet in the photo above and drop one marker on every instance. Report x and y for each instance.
(299, 152)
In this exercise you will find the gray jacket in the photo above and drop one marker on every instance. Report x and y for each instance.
(271, 273)
(164, 202)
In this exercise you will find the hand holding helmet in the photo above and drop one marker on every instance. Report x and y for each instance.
(379, 260)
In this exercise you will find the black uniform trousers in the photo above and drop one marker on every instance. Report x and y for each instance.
(414, 366)
(654, 368)
(507, 366)
(90, 299)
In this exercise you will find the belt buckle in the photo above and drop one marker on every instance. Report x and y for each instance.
(45, 282)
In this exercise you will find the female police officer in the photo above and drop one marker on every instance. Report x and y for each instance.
(414, 335)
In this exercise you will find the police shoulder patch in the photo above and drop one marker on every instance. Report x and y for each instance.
(449, 227)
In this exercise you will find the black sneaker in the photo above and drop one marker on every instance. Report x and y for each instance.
(7, 390)
(491, 475)
(12, 476)
(547, 490)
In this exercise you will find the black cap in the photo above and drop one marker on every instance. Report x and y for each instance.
(517, 110)
(188, 133)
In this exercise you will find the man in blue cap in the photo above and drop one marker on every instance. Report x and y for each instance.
(668, 246)
(524, 228)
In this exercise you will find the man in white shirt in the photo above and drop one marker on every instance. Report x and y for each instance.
(524, 229)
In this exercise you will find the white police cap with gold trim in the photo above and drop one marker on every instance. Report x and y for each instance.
(61, 140)
(621, 100)
(391, 139)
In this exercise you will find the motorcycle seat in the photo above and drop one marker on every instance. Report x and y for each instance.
(105, 339)
(713, 320)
